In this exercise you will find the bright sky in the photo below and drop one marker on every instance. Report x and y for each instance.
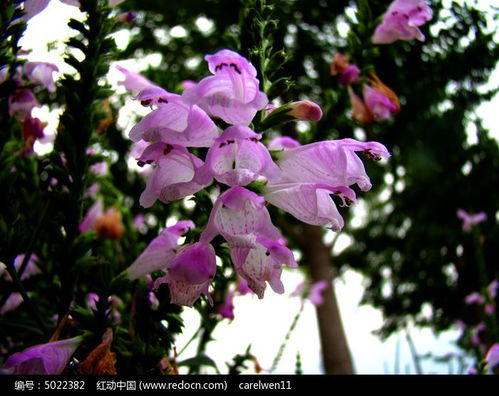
(263, 323)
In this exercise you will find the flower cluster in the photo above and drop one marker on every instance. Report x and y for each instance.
(297, 179)
(378, 103)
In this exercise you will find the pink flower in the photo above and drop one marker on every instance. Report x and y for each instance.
(237, 158)
(160, 252)
(190, 274)
(401, 21)
(239, 215)
(175, 122)
(263, 263)
(232, 93)
(470, 219)
(50, 358)
(41, 73)
(174, 174)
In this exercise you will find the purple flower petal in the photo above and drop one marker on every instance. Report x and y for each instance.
(237, 158)
(401, 21)
(50, 358)
(190, 274)
(262, 263)
(308, 202)
(160, 252)
(176, 122)
(174, 175)
(239, 215)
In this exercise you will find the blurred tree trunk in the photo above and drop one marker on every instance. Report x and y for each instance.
(335, 351)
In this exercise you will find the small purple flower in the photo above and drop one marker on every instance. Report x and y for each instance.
(263, 263)
(160, 252)
(474, 298)
(190, 274)
(493, 288)
(99, 168)
(492, 357)
(237, 158)
(490, 309)
(349, 75)
(226, 310)
(51, 358)
(239, 215)
(312, 292)
(41, 73)
(470, 219)
(175, 122)
(174, 175)
(232, 93)
(401, 21)
(21, 101)
(316, 292)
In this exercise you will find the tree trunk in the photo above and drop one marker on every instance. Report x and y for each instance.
(335, 351)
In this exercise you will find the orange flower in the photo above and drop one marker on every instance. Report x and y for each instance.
(339, 64)
(109, 225)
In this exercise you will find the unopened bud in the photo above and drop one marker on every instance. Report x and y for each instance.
(305, 110)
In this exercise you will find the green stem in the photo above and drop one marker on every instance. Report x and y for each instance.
(27, 300)
(286, 338)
